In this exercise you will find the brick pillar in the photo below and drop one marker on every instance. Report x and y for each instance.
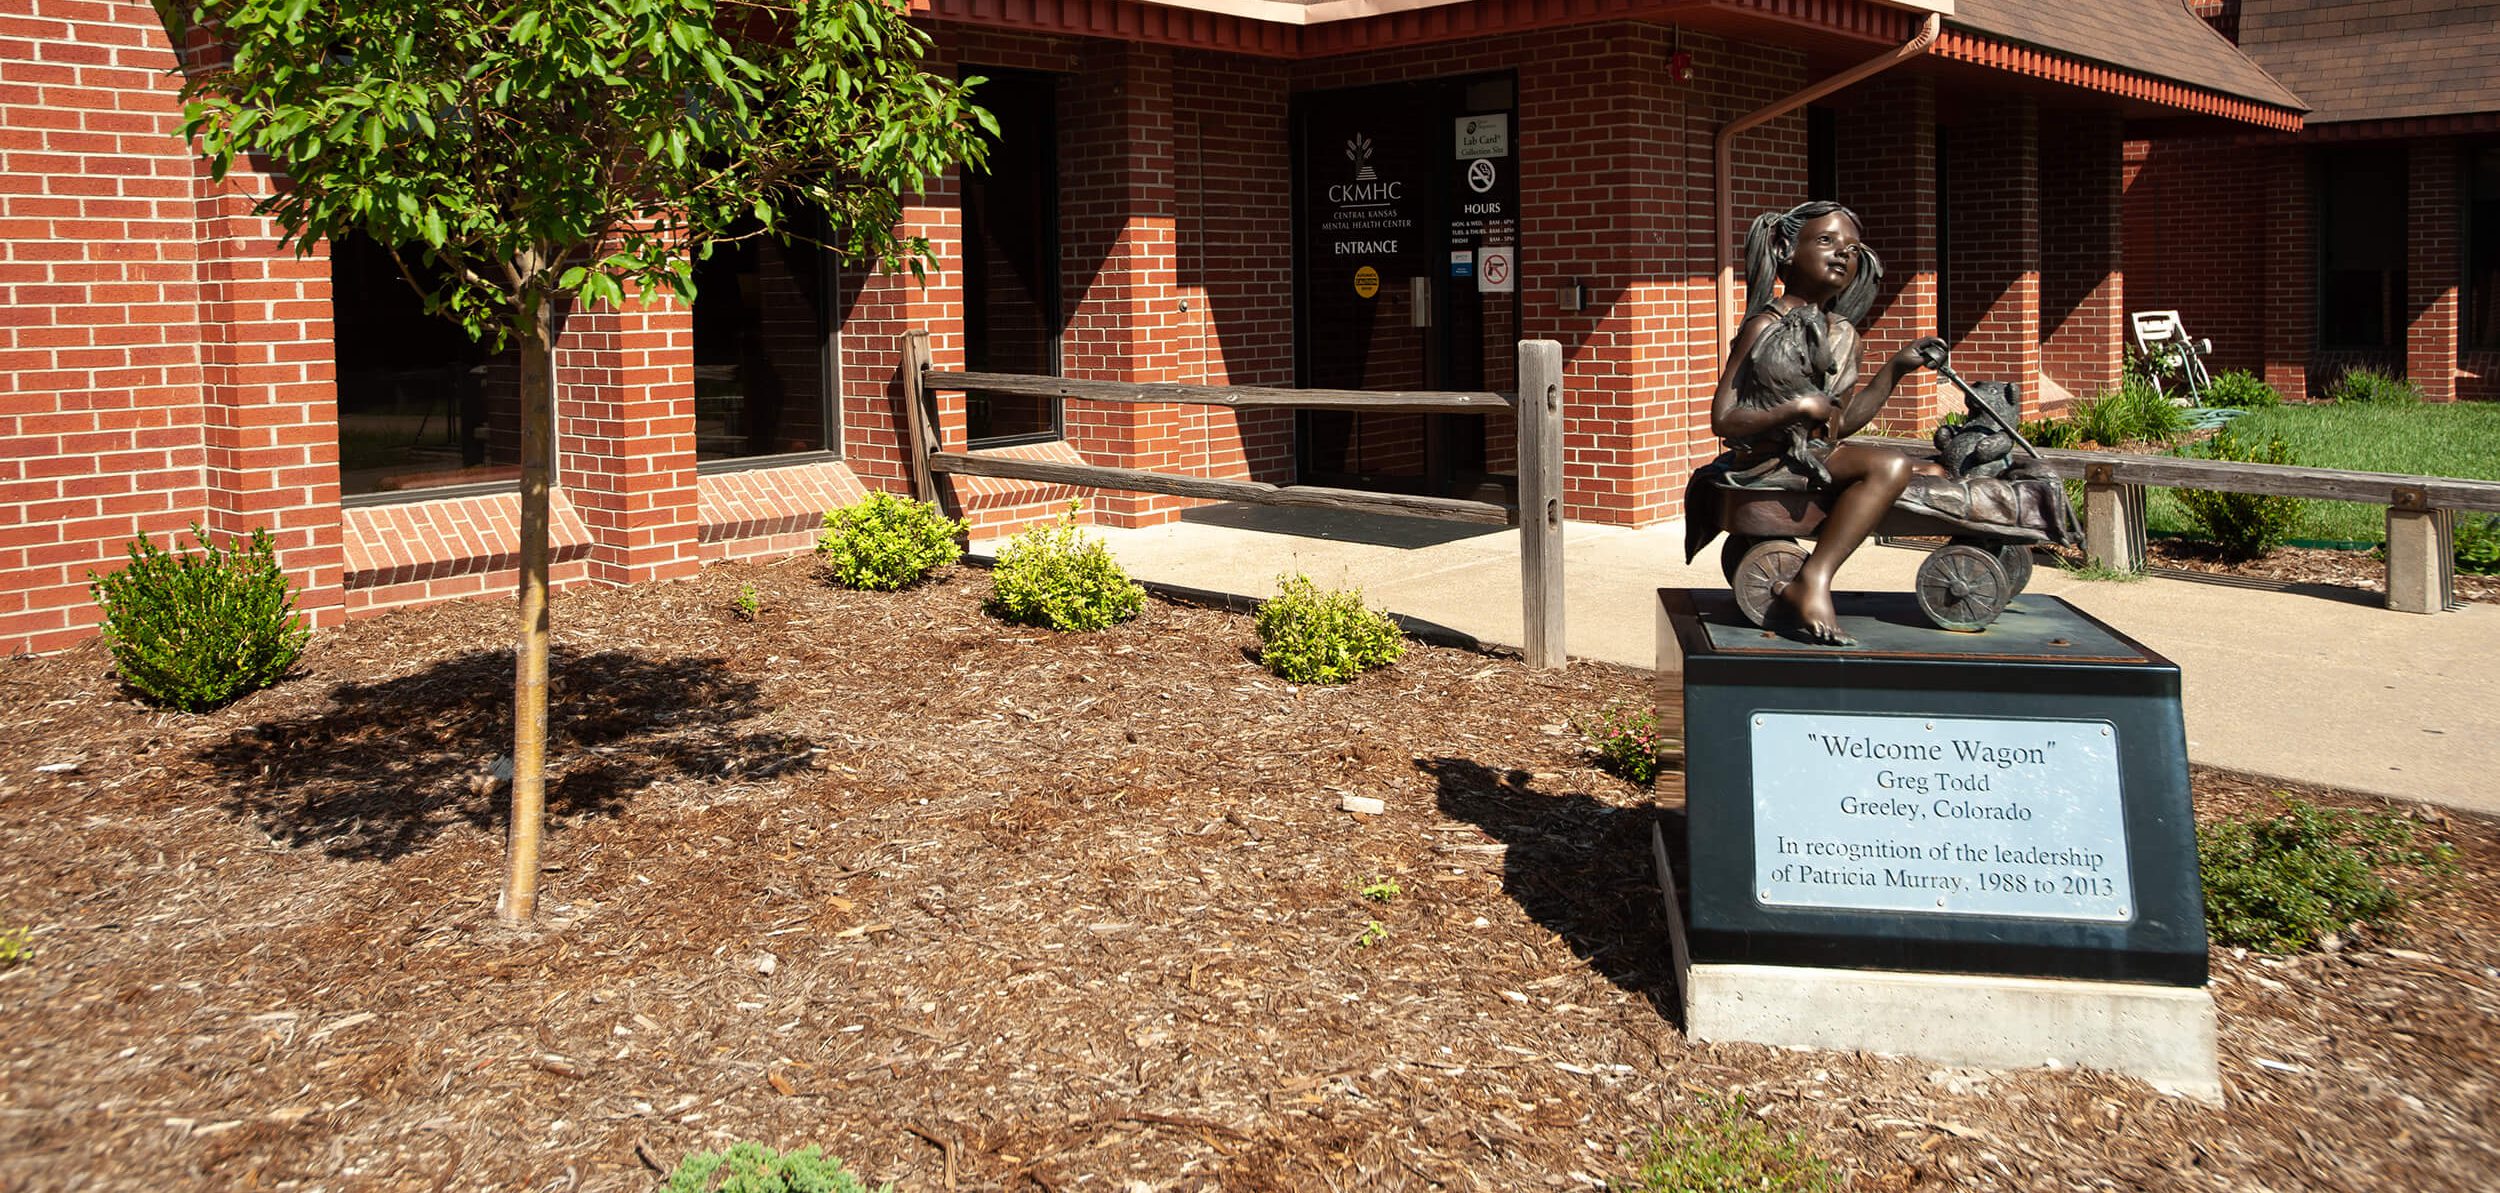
(877, 308)
(1992, 257)
(624, 407)
(2082, 285)
(1119, 275)
(1605, 154)
(2291, 270)
(2433, 223)
(1887, 149)
(269, 391)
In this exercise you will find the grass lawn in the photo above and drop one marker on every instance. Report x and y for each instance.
(2459, 439)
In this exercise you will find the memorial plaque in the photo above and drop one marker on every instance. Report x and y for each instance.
(2037, 771)
(1940, 815)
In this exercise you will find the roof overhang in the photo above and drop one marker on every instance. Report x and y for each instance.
(1834, 29)
(1962, 45)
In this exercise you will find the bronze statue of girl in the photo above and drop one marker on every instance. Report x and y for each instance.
(1790, 395)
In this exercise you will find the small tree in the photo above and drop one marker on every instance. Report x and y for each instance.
(520, 157)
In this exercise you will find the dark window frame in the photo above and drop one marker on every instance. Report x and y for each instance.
(828, 368)
(1054, 301)
(2480, 238)
(338, 421)
(2392, 167)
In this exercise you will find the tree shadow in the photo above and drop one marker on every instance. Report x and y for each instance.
(387, 766)
(1579, 866)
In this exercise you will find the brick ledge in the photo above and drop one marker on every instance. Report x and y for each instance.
(417, 541)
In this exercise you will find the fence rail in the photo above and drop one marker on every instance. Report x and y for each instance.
(2421, 510)
(1538, 405)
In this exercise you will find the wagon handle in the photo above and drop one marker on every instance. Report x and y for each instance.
(1933, 356)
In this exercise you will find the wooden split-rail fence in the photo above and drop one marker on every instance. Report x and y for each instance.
(1538, 405)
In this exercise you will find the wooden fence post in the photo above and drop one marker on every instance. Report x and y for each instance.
(2113, 521)
(1540, 500)
(919, 421)
(2421, 566)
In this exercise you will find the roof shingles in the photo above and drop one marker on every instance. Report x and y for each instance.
(2378, 59)
(2160, 38)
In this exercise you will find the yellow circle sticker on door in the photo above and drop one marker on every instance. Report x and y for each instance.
(1367, 281)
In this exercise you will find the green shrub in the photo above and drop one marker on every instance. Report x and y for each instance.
(2244, 525)
(2052, 433)
(2130, 414)
(16, 945)
(2153, 416)
(2241, 388)
(884, 542)
(754, 1168)
(2362, 386)
(1627, 742)
(195, 631)
(1062, 578)
(2144, 368)
(1726, 1150)
(2477, 544)
(1309, 636)
(2281, 883)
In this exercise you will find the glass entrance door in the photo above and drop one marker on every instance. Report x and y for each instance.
(1405, 278)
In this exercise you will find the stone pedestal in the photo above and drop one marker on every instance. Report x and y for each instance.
(1975, 848)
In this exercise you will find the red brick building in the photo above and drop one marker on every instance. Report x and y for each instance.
(2369, 237)
(1349, 193)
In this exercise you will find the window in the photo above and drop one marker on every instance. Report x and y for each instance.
(1011, 258)
(2361, 248)
(2482, 250)
(421, 405)
(763, 385)
(1822, 152)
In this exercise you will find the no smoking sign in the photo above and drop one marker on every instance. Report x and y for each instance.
(1497, 267)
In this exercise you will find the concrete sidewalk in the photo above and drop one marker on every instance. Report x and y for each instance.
(2320, 686)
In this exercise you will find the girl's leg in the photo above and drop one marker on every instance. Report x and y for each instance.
(1870, 479)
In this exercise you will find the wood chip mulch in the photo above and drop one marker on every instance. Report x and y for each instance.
(983, 908)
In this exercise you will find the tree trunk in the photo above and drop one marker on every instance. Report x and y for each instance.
(529, 690)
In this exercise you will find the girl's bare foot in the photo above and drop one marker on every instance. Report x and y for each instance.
(1810, 605)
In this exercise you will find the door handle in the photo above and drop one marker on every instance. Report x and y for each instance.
(1419, 292)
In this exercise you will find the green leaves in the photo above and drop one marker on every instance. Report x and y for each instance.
(579, 147)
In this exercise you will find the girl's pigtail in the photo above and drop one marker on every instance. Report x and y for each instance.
(1762, 263)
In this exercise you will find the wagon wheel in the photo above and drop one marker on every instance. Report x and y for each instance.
(1732, 552)
(1767, 567)
(1963, 587)
(2015, 558)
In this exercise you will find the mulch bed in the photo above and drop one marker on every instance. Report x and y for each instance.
(981, 907)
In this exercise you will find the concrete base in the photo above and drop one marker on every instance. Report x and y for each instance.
(2162, 1034)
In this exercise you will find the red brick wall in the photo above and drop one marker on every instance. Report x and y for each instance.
(160, 364)
(2197, 241)
(1992, 256)
(2434, 238)
(1886, 131)
(2082, 285)
(2282, 244)
(1233, 148)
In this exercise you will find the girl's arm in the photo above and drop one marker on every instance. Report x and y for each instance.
(1860, 408)
(1731, 420)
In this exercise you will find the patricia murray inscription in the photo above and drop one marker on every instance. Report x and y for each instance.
(1941, 815)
